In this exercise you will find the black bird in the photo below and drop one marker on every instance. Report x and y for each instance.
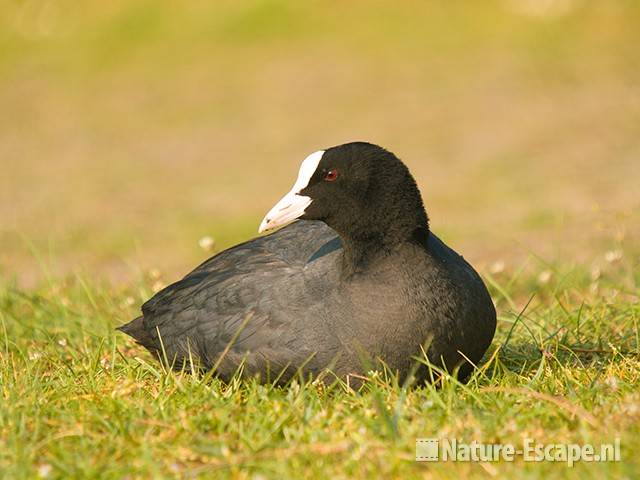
(358, 279)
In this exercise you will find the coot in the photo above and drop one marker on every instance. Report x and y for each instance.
(358, 279)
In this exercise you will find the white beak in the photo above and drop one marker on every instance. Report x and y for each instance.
(293, 205)
(290, 207)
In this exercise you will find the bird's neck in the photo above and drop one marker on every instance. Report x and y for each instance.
(363, 246)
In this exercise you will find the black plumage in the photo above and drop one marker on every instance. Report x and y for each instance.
(358, 278)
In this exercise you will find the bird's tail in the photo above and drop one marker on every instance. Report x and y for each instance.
(136, 329)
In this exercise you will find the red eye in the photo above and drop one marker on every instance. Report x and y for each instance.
(331, 175)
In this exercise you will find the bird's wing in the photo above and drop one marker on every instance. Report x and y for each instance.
(240, 304)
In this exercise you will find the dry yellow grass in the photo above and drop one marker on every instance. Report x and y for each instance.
(131, 131)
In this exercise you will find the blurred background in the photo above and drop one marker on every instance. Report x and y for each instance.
(143, 135)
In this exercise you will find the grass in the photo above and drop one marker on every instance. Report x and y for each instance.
(79, 400)
(133, 128)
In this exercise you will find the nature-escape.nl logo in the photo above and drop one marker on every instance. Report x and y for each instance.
(453, 450)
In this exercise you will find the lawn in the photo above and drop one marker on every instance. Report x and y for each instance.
(132, 130)
(81, 401)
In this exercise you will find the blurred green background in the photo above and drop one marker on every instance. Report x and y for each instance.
(129, 130)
